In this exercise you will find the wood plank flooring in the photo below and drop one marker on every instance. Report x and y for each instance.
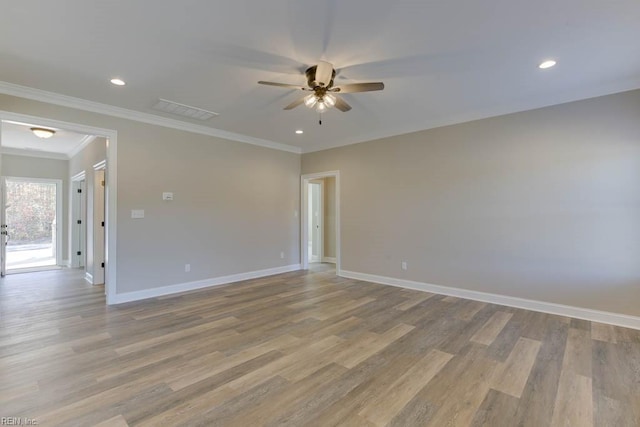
(304, 349)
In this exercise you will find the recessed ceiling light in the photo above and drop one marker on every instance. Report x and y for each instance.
(547, 64)
(118, 82)
(42, 132)
(299, 131)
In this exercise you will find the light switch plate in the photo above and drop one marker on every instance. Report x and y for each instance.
(167, 196)
(137, 213)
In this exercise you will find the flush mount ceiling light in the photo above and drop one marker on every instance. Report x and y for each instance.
(118, 82)
(547, 64)
(43, 133)
(299, 131)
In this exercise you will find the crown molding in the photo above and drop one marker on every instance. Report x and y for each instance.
(7, 88)
(33, 153)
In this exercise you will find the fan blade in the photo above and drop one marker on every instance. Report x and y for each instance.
(342, 105)
(359, 87)
(295, 103)
(281, 85)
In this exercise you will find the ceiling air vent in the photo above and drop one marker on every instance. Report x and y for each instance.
(183, 110)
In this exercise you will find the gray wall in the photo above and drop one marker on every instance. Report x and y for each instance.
(35, 167)
(84, 162)
(542, 204)
(233, 208)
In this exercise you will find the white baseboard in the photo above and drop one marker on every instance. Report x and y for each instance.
(200, 284)
(65, 263)
(616, 319)
(329, 259)
(88, 277)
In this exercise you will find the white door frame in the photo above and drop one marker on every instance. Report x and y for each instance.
(101, 166)
(304, 217)
(59, 218)
(3, 236)
(111, 189)
(320, 219)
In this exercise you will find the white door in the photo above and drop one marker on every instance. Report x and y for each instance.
(316, 214)
(98, 228)
(78, 225)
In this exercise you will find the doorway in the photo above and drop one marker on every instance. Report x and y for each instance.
(109, 233)
(315, 217)
(320, 213)
(98, 224)
(33, 215)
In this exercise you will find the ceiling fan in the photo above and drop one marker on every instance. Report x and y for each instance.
(323, 92)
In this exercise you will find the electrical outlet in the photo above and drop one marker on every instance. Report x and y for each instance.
(281, 255)
(187, 268)
(404, 265)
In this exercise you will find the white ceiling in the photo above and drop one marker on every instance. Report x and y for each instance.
(17, 138)
(442, 61)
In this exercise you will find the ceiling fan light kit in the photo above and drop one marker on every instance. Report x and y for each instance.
(320, 81)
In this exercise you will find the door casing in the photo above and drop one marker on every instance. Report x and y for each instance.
(111, 188)
(304, 215)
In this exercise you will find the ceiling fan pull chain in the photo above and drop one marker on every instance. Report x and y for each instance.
(320, 119)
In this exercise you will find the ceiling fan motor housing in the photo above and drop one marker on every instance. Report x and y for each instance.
(320, 75)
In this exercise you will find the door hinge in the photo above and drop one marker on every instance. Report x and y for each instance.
(103, 223)
(102, 183)
(79, 190)
(103, 265)
(79, 221)
(79, 253)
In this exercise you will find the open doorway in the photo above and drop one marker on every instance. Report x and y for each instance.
(33, 214)
(98, 225)
(315, 218)
(320, 213)
(65, 148)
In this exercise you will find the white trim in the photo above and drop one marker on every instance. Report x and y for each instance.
(80, 176)
(320, 220)
(329, 259)
(88, 277)
(304, 244)
(33, 153)
(111, 188)
(200, 284)
(522, 104)
(66, 263)
(101, 165)
(616, 319)
(86, 140)
(124, 113)
(98, 250)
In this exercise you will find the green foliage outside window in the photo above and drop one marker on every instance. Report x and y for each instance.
(31, 211)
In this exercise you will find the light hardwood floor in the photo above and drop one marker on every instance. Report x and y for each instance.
(304, 348)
